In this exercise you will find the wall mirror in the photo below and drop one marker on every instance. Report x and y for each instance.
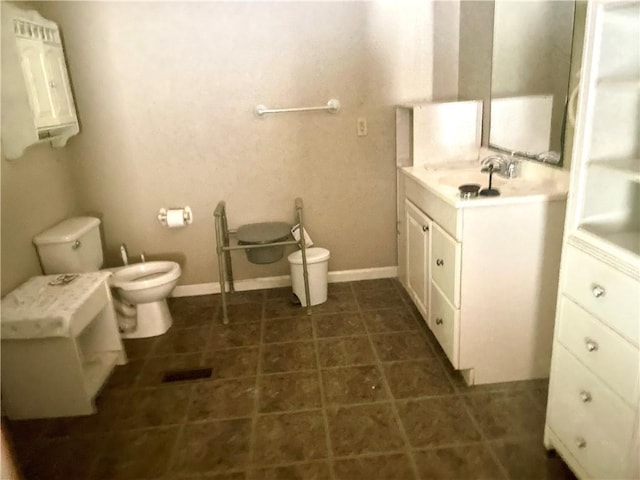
(531, 63)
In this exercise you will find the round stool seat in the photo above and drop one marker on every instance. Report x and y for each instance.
(260, 234)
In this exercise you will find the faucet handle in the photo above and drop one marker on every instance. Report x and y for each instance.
(142, 259)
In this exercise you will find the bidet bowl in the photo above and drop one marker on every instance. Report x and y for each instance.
(146, 282)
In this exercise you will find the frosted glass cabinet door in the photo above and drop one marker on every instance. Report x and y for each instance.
(60, 91)
(32, 63)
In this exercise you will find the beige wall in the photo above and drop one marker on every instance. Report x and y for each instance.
(446, 46)
(165, 94)
(476, 48)
(37, 192)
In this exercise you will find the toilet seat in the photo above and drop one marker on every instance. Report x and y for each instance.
(145, 275)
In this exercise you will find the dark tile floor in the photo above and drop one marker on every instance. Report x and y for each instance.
(358, 390)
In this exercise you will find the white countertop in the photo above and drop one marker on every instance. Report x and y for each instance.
(536, 183)
(38, 309)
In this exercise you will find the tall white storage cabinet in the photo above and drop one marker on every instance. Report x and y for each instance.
(593, 410)
(37, 101)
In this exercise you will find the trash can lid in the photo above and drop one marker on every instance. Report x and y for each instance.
(265, 232)
(314, 255)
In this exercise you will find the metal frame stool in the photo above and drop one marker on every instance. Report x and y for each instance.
(224, 247)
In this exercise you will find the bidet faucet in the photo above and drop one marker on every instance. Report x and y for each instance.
(124, 254)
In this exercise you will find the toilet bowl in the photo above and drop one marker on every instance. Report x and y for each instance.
(144, 287)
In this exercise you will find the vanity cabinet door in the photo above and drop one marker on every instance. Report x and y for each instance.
(418, 245)
(445, 264)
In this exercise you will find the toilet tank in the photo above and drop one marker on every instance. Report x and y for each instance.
(71, 246)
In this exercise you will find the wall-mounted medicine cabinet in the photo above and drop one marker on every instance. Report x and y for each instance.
(37, 102)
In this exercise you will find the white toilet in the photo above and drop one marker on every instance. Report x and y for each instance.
(74, 246)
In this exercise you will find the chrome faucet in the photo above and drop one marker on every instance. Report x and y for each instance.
(142, 259)
(124, 254)
(507, 168)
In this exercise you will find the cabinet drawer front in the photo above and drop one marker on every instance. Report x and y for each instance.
(444, 322)
(603, 291)
(593, 423)
(447, 216)
(445, 264)
(602, 350)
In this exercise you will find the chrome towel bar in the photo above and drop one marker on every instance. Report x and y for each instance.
(332, 106)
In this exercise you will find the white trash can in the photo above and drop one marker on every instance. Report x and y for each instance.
(317, 268)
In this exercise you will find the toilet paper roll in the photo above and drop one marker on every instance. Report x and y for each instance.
(175, 218)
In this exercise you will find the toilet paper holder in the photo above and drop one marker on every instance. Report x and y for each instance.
(185, 214)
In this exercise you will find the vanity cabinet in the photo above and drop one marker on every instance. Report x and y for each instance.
(593, 408)
(37, 99)
(491, 273)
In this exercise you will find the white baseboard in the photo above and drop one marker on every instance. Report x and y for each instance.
(284, 281)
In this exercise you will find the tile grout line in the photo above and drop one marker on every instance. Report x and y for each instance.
(485, 441)
(181, 425)
(256, 391)
(461, 398)
(92, 471)
(323, 404)
(392, 402)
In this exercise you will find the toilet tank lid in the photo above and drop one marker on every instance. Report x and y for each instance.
(67, 230)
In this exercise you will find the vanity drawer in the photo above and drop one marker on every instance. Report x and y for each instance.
(603, 291)
(444, 322)
(445, 264)
(602, 350)
(446, 215)
(593, 423)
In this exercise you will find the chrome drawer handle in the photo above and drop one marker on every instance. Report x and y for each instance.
(592, 346)
(585, 396)
(438, 321)
(598, 291)
(581, 442)
(76, 245)
(425, 228)
(439, 262)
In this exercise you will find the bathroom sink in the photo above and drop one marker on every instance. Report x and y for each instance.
(535, 182)
(461, 178)
(507, 186)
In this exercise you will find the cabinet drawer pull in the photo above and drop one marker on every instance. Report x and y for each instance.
(592, 345)
(438, 321)
(76, 245)
(598, 291)
(425, 228)
(581, 442)
(439, 262)
(585, 396)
